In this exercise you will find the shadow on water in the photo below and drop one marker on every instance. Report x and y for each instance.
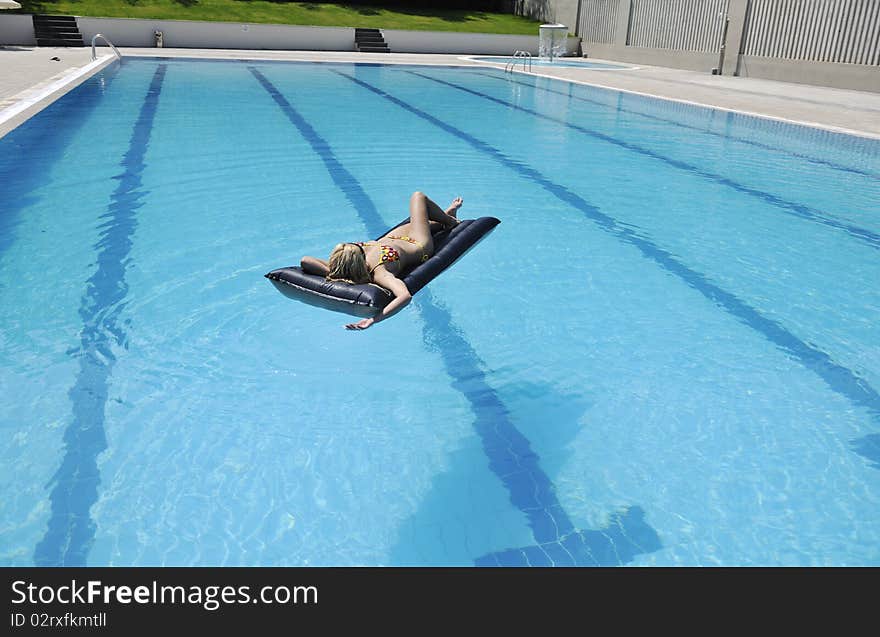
(869, 447)
(519, 470)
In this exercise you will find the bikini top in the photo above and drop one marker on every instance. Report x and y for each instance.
(387, 254)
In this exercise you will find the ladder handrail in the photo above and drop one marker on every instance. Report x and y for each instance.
(512, 61)
(107, 40)
(522, 55)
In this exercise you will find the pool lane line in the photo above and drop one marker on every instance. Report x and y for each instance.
(795, 209)
(869, 447)
(509, 452)
(344, 180)
(724, 136)
(837, 377)
(517, 466)
(71, 531)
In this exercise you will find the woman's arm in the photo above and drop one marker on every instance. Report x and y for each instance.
(311, 265)
(401, 299)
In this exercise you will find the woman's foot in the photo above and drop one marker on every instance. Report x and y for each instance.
(452, 210)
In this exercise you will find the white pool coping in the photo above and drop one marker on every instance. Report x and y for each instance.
(739, 111)
(583, 66)
(33, 100)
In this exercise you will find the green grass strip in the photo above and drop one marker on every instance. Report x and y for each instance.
(301, 13)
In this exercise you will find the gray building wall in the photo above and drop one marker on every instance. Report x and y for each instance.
(17, 29)
(220, 35)
(785, 35)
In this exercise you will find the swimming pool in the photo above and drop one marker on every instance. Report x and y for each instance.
(537, 61)
(666, 354)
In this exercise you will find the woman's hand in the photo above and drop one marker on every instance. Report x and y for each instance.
(398, 288)
(361, 325)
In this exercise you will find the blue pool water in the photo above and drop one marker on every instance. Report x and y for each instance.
(668, 353)
(537, 61)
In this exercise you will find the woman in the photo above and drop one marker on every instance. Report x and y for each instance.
(382, 261)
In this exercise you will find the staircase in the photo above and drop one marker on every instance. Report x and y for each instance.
(370, 41)
(57, 30)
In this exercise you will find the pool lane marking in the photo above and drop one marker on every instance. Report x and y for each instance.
(839, 378)
(518, 468)
(71, 531)
(795, 209)
(509, 452)
(344, 180)
(724, 136)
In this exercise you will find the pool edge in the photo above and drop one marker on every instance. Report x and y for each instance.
(777, 118)
(32, 100)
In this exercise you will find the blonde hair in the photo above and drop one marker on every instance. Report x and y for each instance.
(348, 263)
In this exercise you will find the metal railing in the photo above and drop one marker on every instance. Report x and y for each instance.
(107, 40)
(517, 56)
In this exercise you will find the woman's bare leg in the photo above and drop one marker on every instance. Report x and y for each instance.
(447, 217)
(452, 211)
(423, 210)
(424, 217)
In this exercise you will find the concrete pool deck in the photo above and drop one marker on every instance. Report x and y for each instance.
(28, 75)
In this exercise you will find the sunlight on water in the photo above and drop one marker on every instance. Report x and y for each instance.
(668, 353)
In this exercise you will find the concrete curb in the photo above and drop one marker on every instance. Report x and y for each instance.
(31, 101)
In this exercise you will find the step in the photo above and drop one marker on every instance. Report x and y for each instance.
(65, 20)
(57, 30)
(57, 33)
(59, 38)
(371, 42)
(360, 30)
(374, 49)
(59, 42)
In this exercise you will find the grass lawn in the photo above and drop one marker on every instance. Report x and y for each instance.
(306, 13)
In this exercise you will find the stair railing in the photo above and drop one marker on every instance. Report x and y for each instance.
(107, 40)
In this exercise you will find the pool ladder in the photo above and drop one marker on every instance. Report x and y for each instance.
(107, 40)
(519, 56)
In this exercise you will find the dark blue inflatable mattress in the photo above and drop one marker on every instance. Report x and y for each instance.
(368, 299)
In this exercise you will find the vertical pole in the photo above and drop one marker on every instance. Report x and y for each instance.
(736, 15)
(723, 45)
(621, 32)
